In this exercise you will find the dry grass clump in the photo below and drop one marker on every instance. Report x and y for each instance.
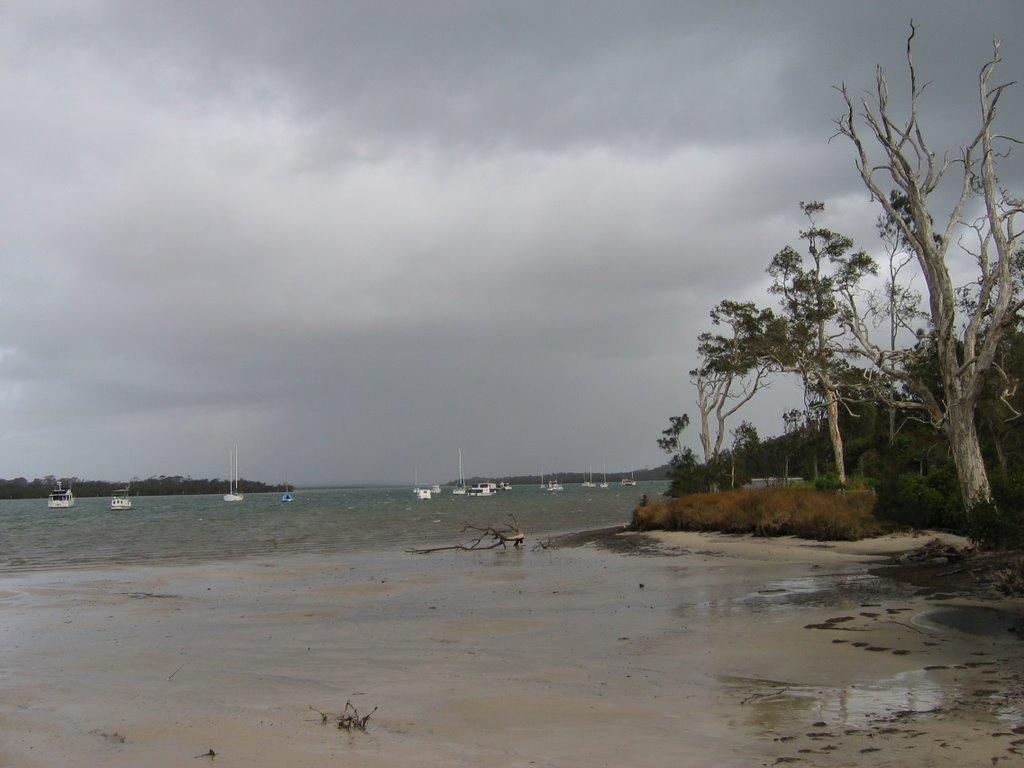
(803, 512)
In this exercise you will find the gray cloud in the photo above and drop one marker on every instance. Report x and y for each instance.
(356, 237)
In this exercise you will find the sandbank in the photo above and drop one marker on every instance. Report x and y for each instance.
(696, 649)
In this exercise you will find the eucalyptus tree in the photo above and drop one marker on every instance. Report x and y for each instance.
(686, 476)
(745, 445)
(979, 222)
(732, 370)
(669, 441)
(814, 341)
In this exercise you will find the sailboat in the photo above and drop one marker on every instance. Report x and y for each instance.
(422, 491)
(604, 483)
(590, 482)
(460, 489)
(629, 480)
(287, 496)
(233, 494)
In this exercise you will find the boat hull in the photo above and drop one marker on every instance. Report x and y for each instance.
(60, 498)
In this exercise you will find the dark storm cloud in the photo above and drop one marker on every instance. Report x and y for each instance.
(356, 236)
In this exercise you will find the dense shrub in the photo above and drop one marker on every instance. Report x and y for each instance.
(1008, 489)
(827, 482)
(993, 527)
(804, 512)
(920, 501)
(999, 524)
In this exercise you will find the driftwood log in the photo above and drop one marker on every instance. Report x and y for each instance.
(936, 551)
(488, 538)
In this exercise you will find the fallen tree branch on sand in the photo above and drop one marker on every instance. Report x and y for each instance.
(936, 552)
(489, 538)
(348, 720)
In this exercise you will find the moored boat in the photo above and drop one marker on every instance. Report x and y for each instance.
(234, 492)
(460, 489)
(119, 499)
(60, 497)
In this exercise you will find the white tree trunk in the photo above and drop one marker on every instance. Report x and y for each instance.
(836, 438)
(966, 450)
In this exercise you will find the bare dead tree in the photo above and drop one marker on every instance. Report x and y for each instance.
(965, 346)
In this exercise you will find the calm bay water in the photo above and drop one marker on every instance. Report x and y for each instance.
(181, 529)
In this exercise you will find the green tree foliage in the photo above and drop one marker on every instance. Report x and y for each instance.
(734, 367)
(816, 291)
(669, 440)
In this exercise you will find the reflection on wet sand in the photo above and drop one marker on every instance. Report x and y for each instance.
(714, 651)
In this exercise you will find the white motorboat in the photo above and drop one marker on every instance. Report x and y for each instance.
(483, 489)
(554, 485)
(119, 499)
(420, 490)
(60, 497)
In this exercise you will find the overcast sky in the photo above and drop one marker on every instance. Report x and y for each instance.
(354, 238)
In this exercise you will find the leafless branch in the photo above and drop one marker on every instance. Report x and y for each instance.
(489, 538)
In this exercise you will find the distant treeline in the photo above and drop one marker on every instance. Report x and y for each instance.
(614, 478)
(20, 488)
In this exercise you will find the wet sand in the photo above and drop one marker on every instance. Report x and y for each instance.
(677, 650)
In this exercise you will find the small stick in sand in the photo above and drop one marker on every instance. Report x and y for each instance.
(172, 675)
(348, 720)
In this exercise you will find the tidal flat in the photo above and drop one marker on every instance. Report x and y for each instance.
(675, 650)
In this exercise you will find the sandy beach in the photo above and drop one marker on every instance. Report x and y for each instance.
(682, 650)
